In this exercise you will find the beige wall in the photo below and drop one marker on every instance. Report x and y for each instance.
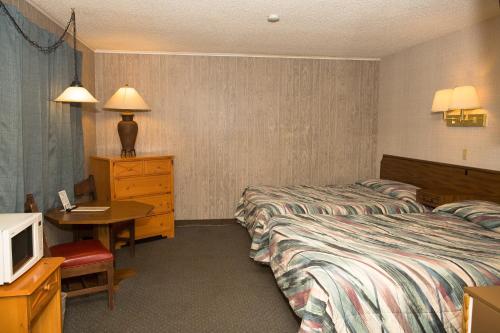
(54, 234)
(234, 121)
(408, 81)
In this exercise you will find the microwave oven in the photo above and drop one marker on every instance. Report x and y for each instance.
(21, 244)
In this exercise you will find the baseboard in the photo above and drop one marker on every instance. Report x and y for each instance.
(180, 223)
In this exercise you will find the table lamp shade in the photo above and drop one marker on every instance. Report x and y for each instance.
(126, 98)
(464, 98)
(442, 99)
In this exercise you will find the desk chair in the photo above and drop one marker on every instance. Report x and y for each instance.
(80, 258)
(87, 189)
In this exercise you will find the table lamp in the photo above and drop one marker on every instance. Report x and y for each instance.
(127, 101)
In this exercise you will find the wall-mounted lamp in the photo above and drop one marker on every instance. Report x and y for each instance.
(460, 107)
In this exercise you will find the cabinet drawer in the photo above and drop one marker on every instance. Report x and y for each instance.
(131, 187)
(157, 167)
(150, 226)
(431, 200)
(124, 169)
(43, 294)
(161, 203)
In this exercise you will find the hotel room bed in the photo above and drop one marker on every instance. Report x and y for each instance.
(259, 204)
(385, 273)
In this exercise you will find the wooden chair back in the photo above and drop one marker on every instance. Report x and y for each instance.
(86, 188)
(84, 191)
(30, 206)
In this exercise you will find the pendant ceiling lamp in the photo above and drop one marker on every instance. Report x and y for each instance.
(75, 93)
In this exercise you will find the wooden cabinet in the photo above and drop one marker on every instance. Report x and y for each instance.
(481, 309)
(437, 196)
(32, 303)
(434, 198)
(145, 179)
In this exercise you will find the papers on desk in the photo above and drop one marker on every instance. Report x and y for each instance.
(90, 209)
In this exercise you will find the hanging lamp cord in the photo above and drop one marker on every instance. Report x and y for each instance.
(76, 81)
(49, 48)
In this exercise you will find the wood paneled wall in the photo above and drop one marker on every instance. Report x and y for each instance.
(234, 121)
(88, 74)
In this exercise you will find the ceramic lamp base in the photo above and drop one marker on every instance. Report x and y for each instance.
(127, 130)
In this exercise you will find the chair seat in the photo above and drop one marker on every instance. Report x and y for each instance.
(81, 253)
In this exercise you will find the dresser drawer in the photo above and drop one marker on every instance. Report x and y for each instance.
(150, 226)
(43, 294)
(157, 167)
(138, 186)
(125, 169)
(161, 203)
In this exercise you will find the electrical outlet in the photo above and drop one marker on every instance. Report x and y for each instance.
(464, 154)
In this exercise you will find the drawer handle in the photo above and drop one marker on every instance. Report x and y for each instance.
(47, 287)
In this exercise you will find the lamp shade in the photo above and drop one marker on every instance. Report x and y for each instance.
(464, 98)
(442, 99)
(126, 98)
(76, 94)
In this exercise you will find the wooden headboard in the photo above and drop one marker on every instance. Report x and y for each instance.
(432, 175)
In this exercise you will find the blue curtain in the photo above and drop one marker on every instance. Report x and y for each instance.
(41, 142)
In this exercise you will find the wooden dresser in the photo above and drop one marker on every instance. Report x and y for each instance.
(145, 179)
(32, 303)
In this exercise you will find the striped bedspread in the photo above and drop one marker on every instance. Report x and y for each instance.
(259, 204)
(381, 273)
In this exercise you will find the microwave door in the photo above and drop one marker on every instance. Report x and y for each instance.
(22, 249)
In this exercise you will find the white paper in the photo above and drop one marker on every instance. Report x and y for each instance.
(64, 200)
(90, 209)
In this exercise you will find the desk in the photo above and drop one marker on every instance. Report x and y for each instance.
(119, 211)
(32, 303)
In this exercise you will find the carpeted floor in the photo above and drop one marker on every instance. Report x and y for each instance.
(200, 281)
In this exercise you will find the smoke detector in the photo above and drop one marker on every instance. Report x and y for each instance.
(273, 18)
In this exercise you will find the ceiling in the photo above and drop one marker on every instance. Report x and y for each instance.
(335, 28)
